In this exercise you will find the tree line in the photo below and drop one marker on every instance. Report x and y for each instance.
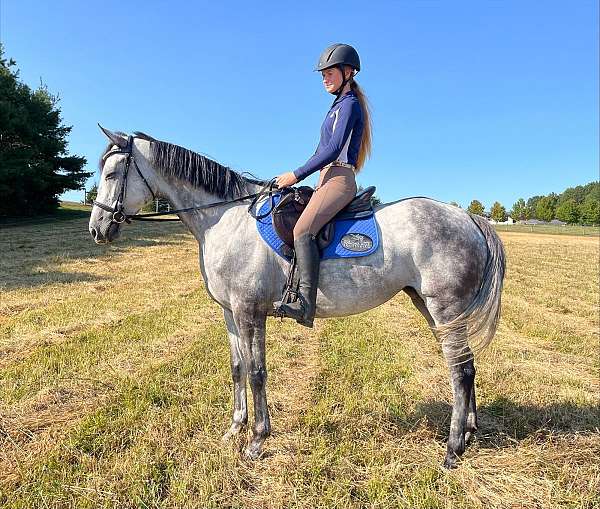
(575, 205)
(35, 167)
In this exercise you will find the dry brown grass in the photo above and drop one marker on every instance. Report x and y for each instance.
(115, 387)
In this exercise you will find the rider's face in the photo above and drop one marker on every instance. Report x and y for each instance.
(332, 78)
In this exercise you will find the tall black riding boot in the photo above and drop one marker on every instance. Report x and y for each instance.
(307, 258)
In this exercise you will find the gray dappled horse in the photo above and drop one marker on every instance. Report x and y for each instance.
(449, 262)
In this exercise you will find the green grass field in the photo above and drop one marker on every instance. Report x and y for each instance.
(115, 386)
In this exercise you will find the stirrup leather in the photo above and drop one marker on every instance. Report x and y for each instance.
(290, 290)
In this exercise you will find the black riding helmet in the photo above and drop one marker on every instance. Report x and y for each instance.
(338, 55)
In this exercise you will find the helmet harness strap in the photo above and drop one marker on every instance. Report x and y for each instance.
(338, 92)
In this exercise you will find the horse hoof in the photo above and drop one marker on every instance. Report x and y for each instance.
(253, 452)
(233, 431)
(450, 462)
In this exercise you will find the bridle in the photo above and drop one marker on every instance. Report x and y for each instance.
(118, 211)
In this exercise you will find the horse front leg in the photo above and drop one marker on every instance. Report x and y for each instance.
(252, 327)
(239, 375)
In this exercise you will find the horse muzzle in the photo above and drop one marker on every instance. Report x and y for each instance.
(111, 233)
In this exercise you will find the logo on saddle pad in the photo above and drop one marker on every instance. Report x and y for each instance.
(356, 242)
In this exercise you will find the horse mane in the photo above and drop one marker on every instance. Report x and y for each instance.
(196, 169)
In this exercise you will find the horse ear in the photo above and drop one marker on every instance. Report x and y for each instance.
(117, 139)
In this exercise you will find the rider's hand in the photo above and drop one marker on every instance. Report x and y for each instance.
(286, 179)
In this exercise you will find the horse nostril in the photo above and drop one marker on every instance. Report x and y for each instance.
(94, 233)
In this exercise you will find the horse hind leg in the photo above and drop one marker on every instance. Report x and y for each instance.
(471, 426)
(463, 383)
(463, 422)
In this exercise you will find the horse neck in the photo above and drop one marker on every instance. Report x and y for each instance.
(182, 195)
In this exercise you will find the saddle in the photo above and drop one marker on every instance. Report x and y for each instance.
(295, 199)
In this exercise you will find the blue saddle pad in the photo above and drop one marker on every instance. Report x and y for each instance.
(352, 237)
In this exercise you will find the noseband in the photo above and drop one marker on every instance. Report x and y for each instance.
(118, 211)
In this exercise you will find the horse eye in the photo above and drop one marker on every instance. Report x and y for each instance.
(111, 176)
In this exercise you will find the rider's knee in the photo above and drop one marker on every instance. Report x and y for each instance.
(299, 230)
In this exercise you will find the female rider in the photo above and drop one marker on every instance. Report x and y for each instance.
(344, 145)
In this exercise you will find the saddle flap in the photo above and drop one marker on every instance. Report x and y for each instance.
(288, 209)
(326, 236)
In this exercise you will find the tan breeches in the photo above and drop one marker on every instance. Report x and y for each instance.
(336, 188)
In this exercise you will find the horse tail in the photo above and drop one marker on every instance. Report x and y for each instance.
(480, 318)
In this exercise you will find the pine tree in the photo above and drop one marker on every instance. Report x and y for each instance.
(91, 194)
(35, 167)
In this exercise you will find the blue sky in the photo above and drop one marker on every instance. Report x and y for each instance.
(488, 99)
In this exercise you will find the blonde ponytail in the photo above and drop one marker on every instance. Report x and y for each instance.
(365, 143)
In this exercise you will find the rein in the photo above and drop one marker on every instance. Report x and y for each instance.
(118, 211)
(255, 196)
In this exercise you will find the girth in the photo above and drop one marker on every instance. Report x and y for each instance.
(295, 199)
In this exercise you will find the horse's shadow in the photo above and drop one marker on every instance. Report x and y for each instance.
(503, 422)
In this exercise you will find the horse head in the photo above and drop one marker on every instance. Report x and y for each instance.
(123, 189)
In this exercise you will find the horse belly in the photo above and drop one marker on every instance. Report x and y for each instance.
(352, 285)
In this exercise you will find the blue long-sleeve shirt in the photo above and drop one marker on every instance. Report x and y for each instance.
(341, 134)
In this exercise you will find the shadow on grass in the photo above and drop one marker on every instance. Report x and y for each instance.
(62, 214)
(503, 422)
(44, 278)
(33, 252)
